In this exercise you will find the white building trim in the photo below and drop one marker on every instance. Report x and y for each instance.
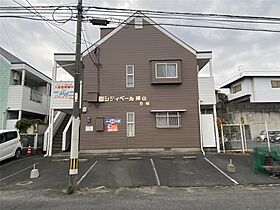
(26, 67)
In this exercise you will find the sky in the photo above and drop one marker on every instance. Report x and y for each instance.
(233, 51)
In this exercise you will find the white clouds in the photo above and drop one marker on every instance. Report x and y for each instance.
(35, 42)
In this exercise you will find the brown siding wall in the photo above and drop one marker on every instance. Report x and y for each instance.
(137, 47)
(105, 31)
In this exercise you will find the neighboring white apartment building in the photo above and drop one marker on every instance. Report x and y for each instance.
(24, 91)
(255, 99)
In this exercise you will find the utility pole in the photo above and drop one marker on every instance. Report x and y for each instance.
(74, 151)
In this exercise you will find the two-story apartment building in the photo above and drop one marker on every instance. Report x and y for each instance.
(140, 91)
(254, 99)
(24, 91)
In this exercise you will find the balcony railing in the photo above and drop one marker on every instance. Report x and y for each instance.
(36, 96)
(23, 98)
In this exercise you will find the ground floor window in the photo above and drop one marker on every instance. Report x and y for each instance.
(168, 120)
(12, 115)
(130, 124)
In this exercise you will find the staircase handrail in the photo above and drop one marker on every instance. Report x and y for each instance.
(65, 133)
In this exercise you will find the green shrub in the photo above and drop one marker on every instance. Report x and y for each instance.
(23, 124)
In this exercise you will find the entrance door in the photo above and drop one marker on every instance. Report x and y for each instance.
(208, 130)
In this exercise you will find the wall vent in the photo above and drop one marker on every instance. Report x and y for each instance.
(138, 22)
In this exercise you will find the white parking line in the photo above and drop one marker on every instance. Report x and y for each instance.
(231, 179)
(18, 172)
(87, 172)
(156, 174)
(16, 161)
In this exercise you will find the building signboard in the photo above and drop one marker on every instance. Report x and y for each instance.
(112, 127)
(112, 121)
(63, 90)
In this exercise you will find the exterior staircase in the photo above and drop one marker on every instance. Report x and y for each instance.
(57, 139)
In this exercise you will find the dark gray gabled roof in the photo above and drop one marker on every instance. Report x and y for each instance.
(9, 56)
(15, 60)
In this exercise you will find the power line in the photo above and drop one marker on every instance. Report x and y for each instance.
(187, 13)
(148, 12)
(8, 37)
(43, 18)
(154, 12)
(47, 21)
(101, 13)
(185, 18)
(117, 12)
(204, 26)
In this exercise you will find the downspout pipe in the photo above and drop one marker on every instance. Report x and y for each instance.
(200, 129)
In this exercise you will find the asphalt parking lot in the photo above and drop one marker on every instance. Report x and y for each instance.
(133, 171)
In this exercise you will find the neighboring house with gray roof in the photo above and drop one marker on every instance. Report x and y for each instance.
(24, 91)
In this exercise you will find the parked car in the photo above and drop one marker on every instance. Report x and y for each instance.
(276, 138)
(263, 137)
(10, 144)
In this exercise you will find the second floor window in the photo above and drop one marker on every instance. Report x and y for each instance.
(275, 83)
(236, 88)
(166, 70)
(129, 75)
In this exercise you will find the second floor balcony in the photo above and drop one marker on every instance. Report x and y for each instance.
(21, 97)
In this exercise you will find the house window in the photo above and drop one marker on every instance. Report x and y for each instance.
(130, 76)
(168, 120)
(275, 83)
(236, 88)
(166, 70)
(36, 96)
(12, 115)
(130, 124)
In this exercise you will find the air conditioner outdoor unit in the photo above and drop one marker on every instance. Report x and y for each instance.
(16, 76)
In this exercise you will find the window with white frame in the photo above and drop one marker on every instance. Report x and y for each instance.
(236, 88)
(166, 70)
(129, 75)
(130, 124)
(168, 120)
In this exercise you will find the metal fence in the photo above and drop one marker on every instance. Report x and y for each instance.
(245, 137)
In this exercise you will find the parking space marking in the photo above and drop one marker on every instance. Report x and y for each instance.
(231, 179)
(189, 157)
(155, 171)
(135, 158)
(113, 158)
(16, 161)
(18, 172)
(87, 172)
